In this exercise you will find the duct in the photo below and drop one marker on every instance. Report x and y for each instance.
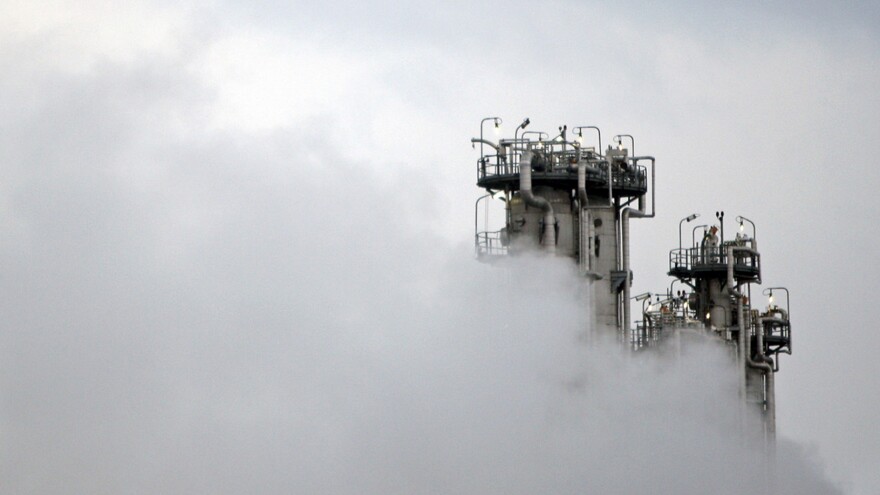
(548, 240)
(625, 214)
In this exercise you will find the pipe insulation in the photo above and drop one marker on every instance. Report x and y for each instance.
(548, 239)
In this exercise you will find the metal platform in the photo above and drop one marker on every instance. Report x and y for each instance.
(502, 174)
(711, 262)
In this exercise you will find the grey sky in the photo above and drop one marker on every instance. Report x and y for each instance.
(199, 203)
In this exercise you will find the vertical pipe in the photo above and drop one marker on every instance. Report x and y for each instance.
(627, 212)
(584, 204)
(745, 345)
(768, 373)
(625, 215)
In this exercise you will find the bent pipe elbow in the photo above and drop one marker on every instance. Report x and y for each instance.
(525, 184)
(487, 143)
(731, 283)
(764, 364)
(548, 240)
(625, 216)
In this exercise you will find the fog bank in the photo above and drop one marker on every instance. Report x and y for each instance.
(252, 314)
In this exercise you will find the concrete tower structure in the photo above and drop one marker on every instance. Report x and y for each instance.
(720, 273)
(567, 199)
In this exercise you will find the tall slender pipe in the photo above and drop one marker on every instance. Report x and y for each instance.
(582, 184)
(745, 342)
(548, 239)
(627, 212)
(625, 215)
(583, 203)
(766, 365)
(732, 290)
(610, 185)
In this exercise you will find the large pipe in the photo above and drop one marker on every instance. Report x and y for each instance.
(732, 290)
(610, 185)
(766, 365)
(548, 240)
(745, 342)
(582, 184)
(625, 214)
(584, 203)
(634, 160)
(584, 200)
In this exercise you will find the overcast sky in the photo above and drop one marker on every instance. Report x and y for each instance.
(235, 236)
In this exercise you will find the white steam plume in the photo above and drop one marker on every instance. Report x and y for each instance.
(253, 315)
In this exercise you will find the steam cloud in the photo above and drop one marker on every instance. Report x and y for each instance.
(223, 314)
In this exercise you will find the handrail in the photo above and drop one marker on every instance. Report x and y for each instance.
(711, 257)
(490, 243)
(559, 164)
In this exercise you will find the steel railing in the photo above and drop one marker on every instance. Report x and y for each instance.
(490, 243)
(632, 176)
(710, 257)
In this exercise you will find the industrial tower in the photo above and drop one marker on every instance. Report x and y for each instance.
(567, 199)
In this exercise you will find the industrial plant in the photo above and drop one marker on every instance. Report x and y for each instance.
(565, 195)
